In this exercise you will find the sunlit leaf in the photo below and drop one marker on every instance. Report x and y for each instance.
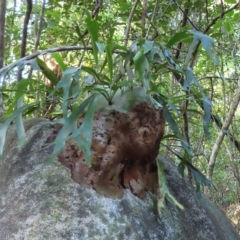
(78, 31)
(177, 37)
(207, 43)
(19, 124)
(109, 60)
(130, 73)
(207, 116)
(92, 72)
(141, 64)
(230, 1)
(21, 88)
(34, 64)
(93, 27)
(101, 47)
(88, 79)
(47, 72)
(68, 128)
(5, 125)
(86, 131)
(59, 60)
(71, 70)
(190, 51)
(147, 46)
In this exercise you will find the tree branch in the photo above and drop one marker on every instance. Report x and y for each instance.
(23, 60)
(186, 16)
(129, 21)
(221, 134)
(144, 14)
(38, 36)
(25, 28)
(2, 32)
(213, 117)
(24, 34)
(40, 27)
(214, 20)
(151, 21)
(94, 15)
(209, 77)
(184, 23)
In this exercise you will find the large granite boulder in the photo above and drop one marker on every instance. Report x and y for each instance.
(39, 201)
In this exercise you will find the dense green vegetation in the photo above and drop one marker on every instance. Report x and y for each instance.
(184, 53)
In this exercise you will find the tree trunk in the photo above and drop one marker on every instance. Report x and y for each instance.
(2, 31)
(221, 134)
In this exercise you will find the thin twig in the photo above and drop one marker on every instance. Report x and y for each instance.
(152, 19)
(129, 21)
(186, 16)
(220, 16)
(95, 13)
(184, 23)
(25, 28)
(40, 27)
(38, 36)
(144, 14)
(207, 77)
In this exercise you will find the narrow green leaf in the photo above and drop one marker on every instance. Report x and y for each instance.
(109, 60)
(147, 46)
(177, 37)
(141, 64)
(130, 73)
(172, 123)
(47, 72)
(174, 108)
(190, 51)
(174, 127)
(3, 131)
(19, 125)
(65, 84)
(78, 31)
(93, 27)
(59, 60)
(71, 70)
(101, 47)
(68, 129)
(126, 83)
(88, 80)
(198, 176)
(207, 43)
(33, 63)
(86, 130)
(21, 88)
(5, 125)
(111, 34)
(230, 1)
(74, 89)
(92, 72)
(207, 116)
(181, 168)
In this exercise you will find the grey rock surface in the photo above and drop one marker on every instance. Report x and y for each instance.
(39, 201)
